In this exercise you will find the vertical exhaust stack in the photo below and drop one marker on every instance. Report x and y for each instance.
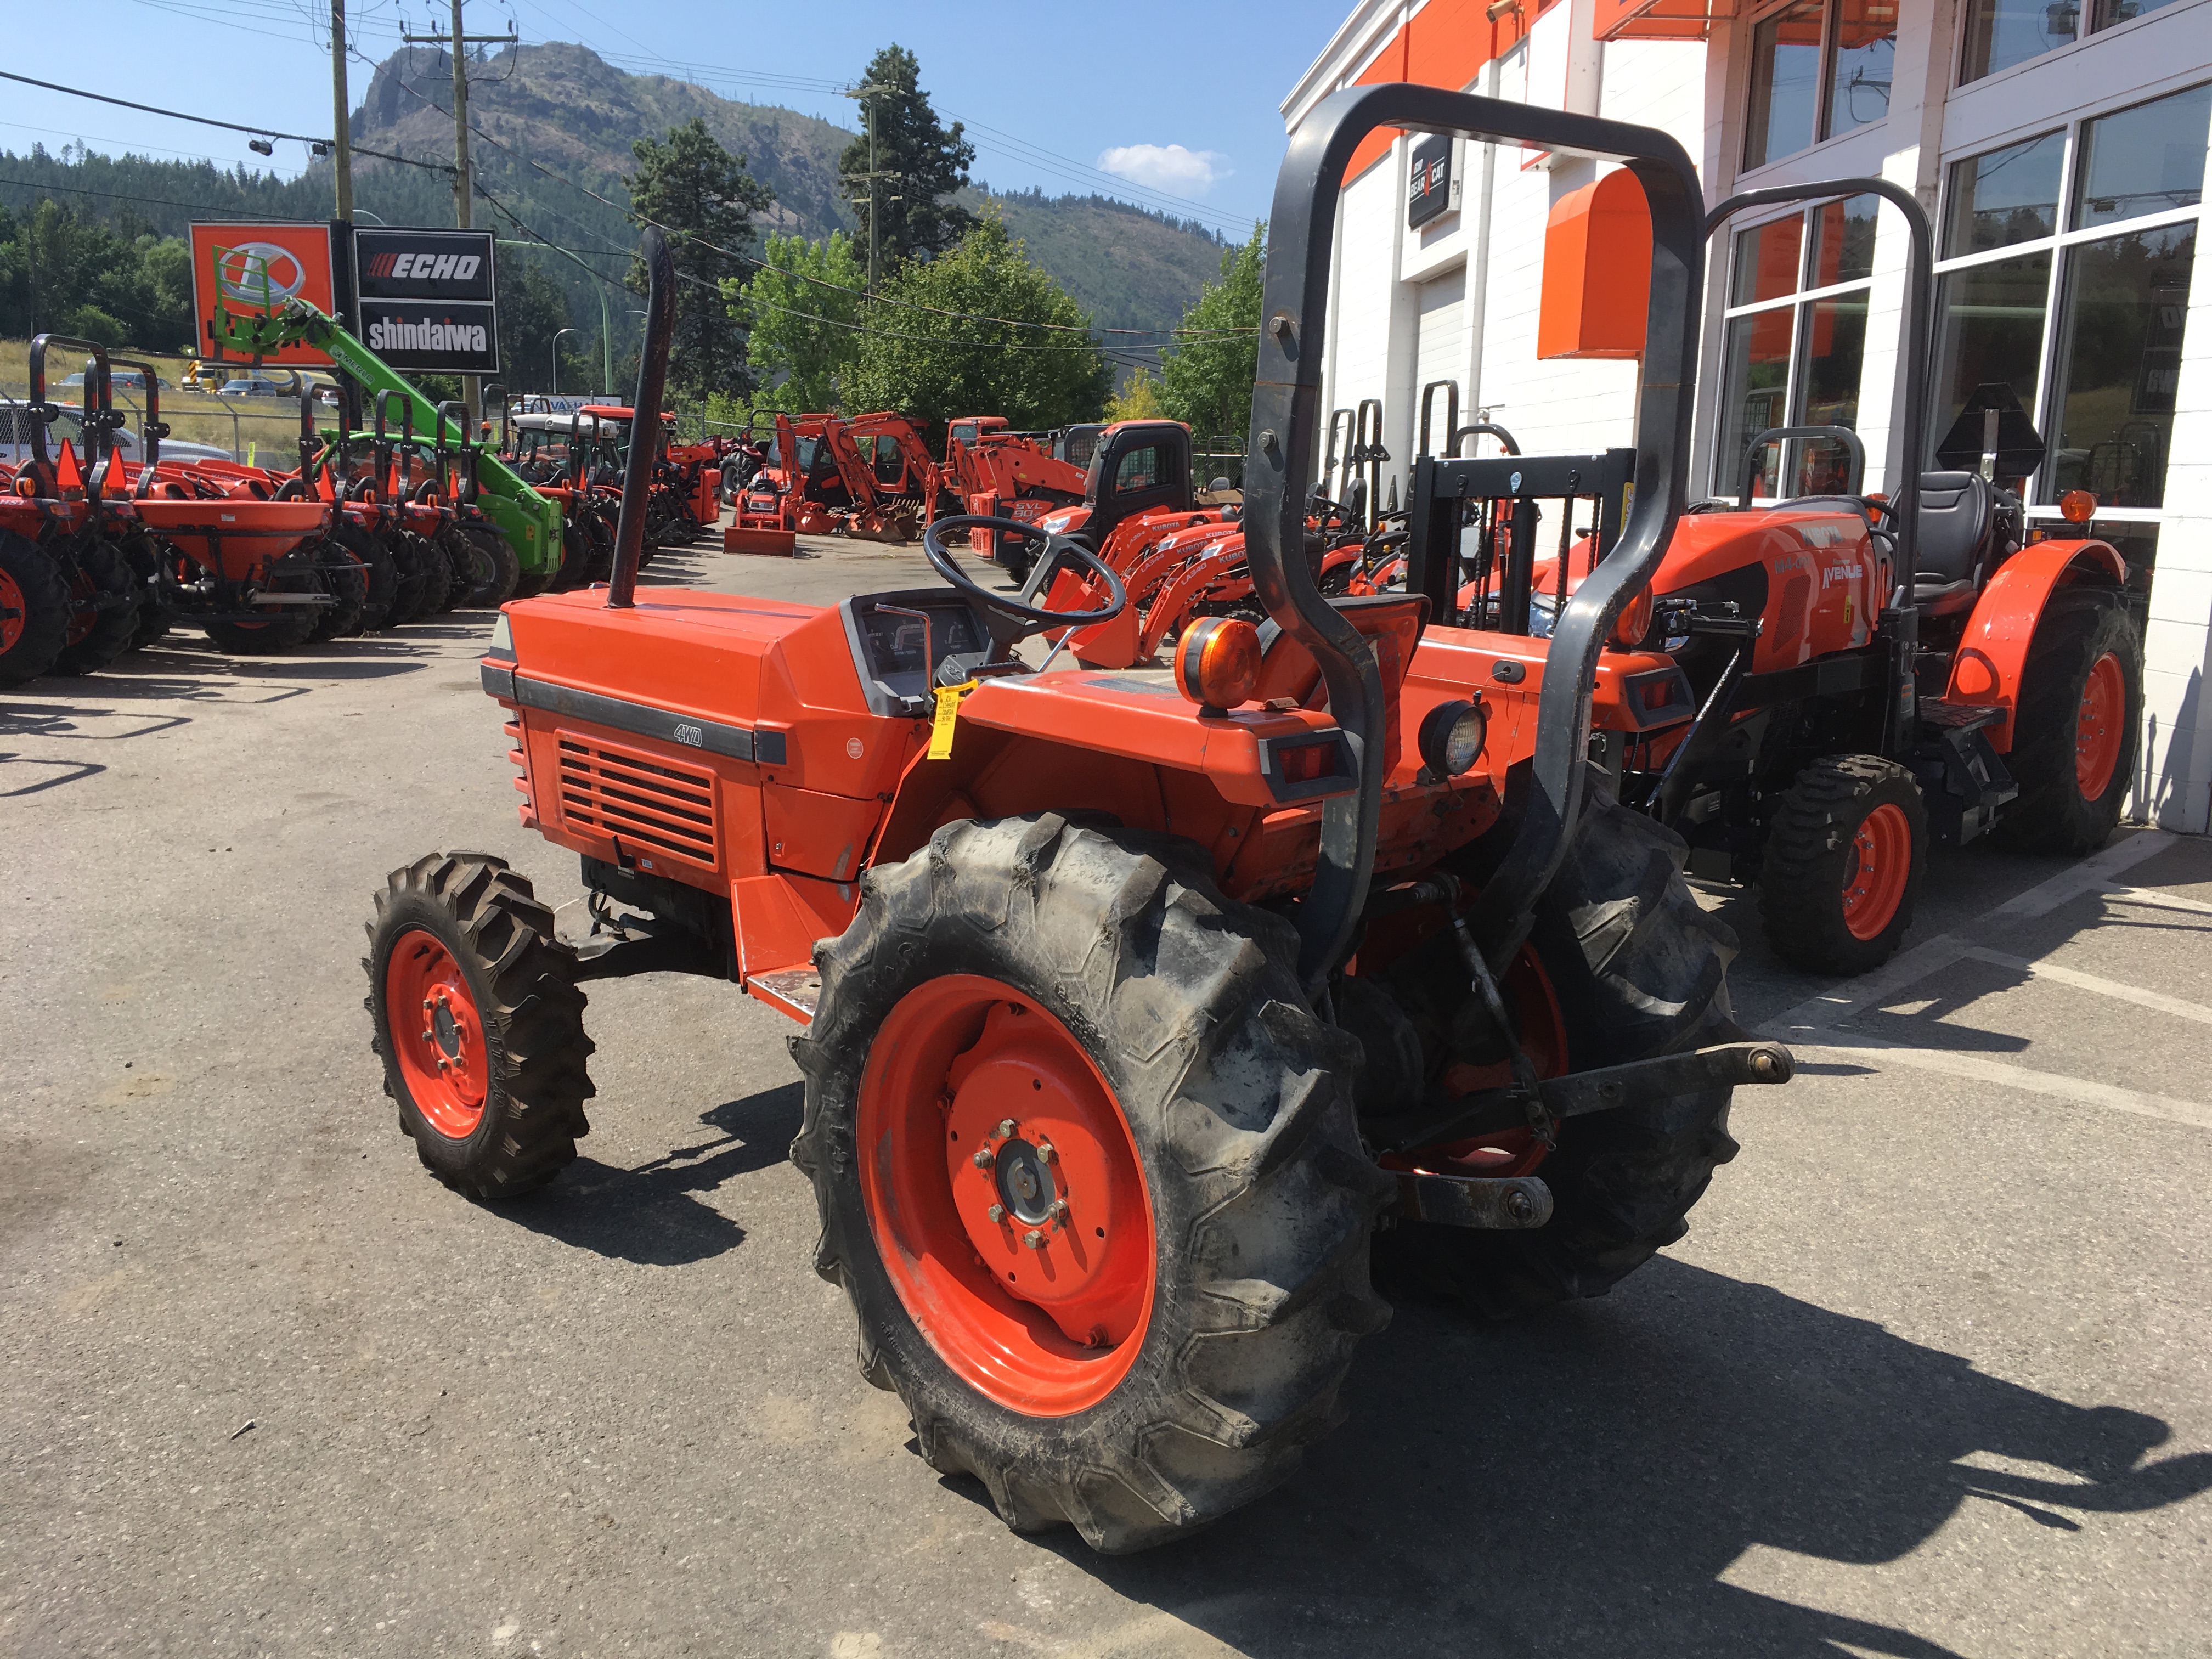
(644, 416)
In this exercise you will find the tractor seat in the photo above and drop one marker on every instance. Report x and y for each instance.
(1955, 511)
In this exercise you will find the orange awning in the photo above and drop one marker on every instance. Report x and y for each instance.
(1658, 20)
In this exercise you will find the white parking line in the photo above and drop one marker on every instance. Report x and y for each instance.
(1852, 998)
(1810, 1028)
(2103, 987)
(1978, 1068)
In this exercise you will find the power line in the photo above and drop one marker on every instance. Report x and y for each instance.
(209, 121)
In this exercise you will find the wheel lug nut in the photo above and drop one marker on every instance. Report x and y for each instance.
(1006, 1128)
(1057, 1209)
(997, 1213)
(426, 1003)
(1033, 1239)
(1045, 1153)
(984, 1157)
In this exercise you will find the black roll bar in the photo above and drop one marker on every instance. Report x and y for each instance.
(1287, 420)
(1506, 440)
(1900, 624)
(644, 416)
(1451, 389)
(95, 408)
(152, 428)
(1755, 452)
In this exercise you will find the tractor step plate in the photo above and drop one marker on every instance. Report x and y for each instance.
(795, 990)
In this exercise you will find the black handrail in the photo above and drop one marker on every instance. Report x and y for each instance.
(1287, 420)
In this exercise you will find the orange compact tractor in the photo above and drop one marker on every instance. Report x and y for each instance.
(1131, 1002)
(998, 473)
(1871, 672)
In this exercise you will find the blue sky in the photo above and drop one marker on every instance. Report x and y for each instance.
(1180, 101)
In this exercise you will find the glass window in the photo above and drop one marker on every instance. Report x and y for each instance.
(2143, 160)
(2118, 365)
(1828, 390)
(1140, 469)
(2003, 32)
(1766, 261)
(1989, 323)
(2007, 196)
(1859, 74)
(1785, 83)
(1757, 382)
(1842, 241)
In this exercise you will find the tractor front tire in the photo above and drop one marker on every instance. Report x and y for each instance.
(1845, 855)
(34, 610)
(497, 571)
(1638, 970)
(1028, 1008)
(2078, 728)
(475, 1013)
(375, 556)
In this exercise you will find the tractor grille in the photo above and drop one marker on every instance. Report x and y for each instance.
(647, 803)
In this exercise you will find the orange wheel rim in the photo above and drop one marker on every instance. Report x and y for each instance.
(12, 615)
(437, 1034)
(1880, 861)
(2097, 729)
(1005, 1196)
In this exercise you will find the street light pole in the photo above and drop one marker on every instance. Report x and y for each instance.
(556, 357)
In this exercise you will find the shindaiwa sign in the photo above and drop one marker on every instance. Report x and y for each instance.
(428, 299)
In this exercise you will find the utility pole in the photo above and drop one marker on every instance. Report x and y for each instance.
(341, 112)
(459, 43)
(867, 94)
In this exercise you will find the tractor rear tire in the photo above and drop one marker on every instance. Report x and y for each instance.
(575, 559)
(1638, 970)
(156, 616)
(346, 579)
(498, 572)
(31, 589)
(465, 969)
(104, 617)
(2078, 728)
(1844, 855)
(437, 577)
(1241, 1171)
(375, 556)
(414, 578)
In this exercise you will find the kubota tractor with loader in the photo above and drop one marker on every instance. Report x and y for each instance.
(1130, 1002)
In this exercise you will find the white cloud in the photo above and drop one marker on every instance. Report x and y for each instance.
(1166, 166)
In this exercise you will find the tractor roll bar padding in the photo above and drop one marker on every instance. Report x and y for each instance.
(1287, 420)
(644, 416)
(1902, 626)
(1778, 434)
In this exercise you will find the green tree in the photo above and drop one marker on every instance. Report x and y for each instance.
(799, 364)
(703, 195)
(918, 164)
(533, 309)
(1206, 380)
(1140, 400)
(934, 367)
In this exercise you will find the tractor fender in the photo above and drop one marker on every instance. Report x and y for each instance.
(1992, 652)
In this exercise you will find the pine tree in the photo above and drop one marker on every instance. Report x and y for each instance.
(1205, 381)
(704, 197)
(917, 165)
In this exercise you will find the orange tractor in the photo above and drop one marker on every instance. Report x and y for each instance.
(1129, 1003)
(1870, 671)
(869, 476)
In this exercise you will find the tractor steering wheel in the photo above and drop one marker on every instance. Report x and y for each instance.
(1009, 620)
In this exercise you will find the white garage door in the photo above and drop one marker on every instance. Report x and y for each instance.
(1441, 355)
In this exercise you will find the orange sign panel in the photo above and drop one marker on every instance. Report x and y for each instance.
(258, 267)
(1597, 271)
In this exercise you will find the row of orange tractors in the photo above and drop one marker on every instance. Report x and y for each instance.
(576, 458)
(100, 556)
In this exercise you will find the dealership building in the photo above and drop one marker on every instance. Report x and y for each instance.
(2058, 146)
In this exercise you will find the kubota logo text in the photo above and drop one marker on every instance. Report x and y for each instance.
(261, 273)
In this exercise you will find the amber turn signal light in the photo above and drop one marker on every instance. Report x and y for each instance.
(1633, 622)
(2077, 507)
(1217, 661)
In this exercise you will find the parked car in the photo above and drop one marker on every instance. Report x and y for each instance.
(250, 385)
(15, 432)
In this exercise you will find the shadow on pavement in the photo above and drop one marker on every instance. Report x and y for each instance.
(1576, 1484)
(42, 774)
(649, 1215)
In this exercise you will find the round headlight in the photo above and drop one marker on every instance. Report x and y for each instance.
(1452, 736)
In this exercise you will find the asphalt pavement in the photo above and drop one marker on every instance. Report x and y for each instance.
(1928, 1378)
